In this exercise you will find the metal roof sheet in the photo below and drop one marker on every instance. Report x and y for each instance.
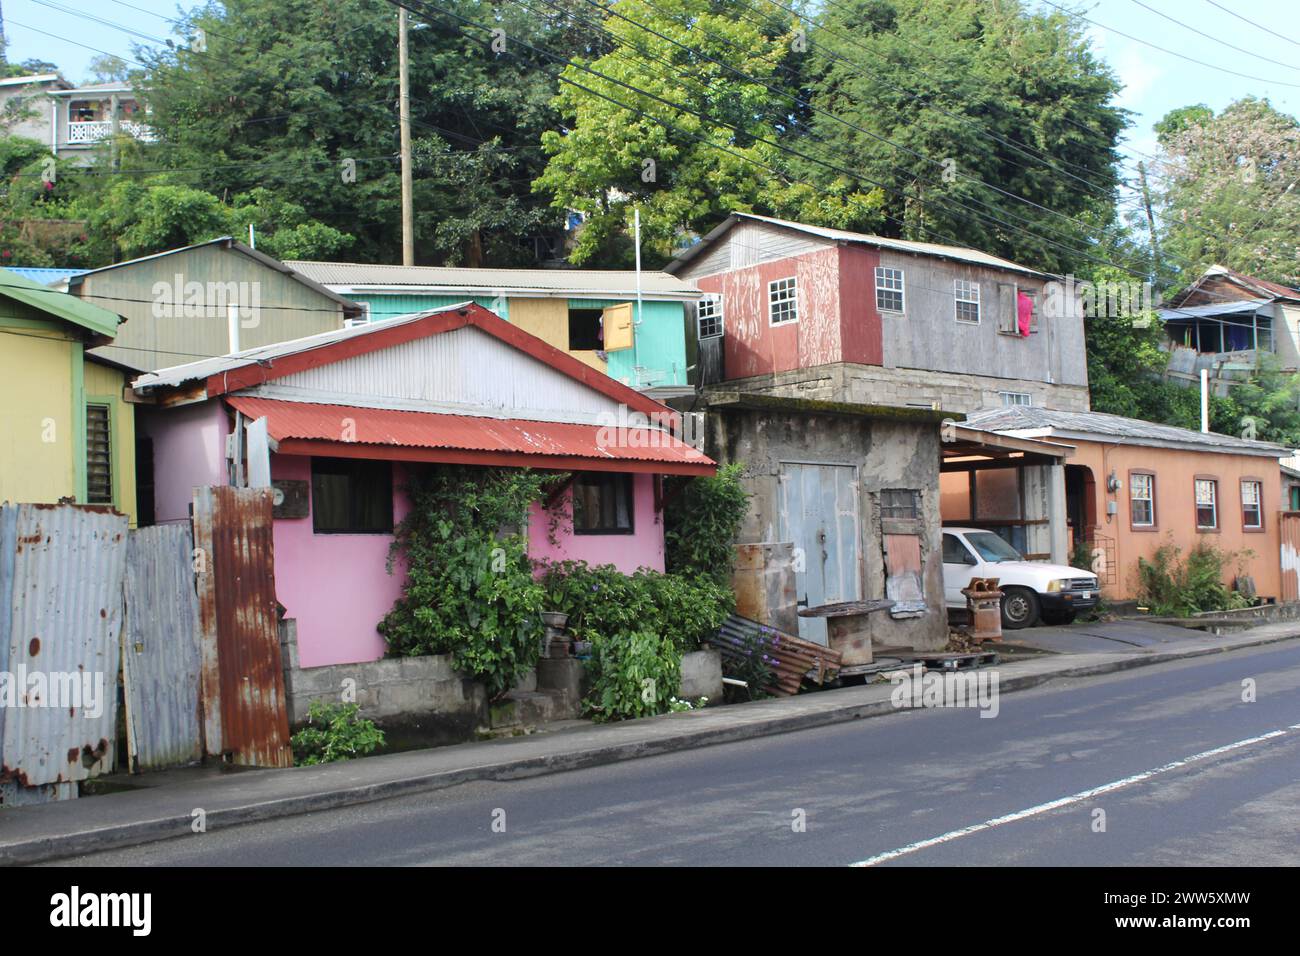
(59, 304)
(433, 430)
(205, 368)
(1213, 309)
(42, 275)
(602, 283)
(1115, 427)
(958, 253)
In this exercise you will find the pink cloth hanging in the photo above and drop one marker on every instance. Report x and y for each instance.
(1024, 312)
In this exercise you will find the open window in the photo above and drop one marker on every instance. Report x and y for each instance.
(351, 496)
(585, 332)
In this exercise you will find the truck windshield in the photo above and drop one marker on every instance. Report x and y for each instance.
(992, 548)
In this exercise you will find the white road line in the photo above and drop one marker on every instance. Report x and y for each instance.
(1066, 801)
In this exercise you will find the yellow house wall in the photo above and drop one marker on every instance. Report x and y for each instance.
(41, 422)
(104, 386)
(548, 319)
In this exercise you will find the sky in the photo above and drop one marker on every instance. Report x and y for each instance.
(1154, 81)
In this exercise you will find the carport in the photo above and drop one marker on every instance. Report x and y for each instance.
(1012, 486)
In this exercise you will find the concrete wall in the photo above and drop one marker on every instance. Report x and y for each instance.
(876, 385)
(387, 690)
(887, 453)
(701, 676)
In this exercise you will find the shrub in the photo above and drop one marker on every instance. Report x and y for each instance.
(634, 674)
(751, 661)
(470, 589)
(1174, 587)
(602, 602)
(334, 732)
(700, 525)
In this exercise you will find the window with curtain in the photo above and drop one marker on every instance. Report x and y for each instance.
(1252, 515)
(1142, 500)
(602, 504)
(1207, 505)
(351, 496)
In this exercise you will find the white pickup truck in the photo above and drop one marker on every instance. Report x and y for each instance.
(1032, 590)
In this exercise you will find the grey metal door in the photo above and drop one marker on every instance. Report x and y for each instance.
(819, 514)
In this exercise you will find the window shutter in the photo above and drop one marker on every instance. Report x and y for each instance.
(99, 456)
(619, 331)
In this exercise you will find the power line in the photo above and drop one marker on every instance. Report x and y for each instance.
(1181, 56)
(1210, 36)
(1258, 26)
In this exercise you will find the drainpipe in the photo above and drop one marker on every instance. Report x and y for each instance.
(1205, 400)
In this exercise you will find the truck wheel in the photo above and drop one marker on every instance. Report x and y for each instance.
(1019, 608)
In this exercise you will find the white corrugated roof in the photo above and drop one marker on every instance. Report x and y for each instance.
(1015, 419)
(203, 368)
(595, 283)
(958, 253)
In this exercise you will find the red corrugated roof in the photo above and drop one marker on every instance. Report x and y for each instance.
(356, 432)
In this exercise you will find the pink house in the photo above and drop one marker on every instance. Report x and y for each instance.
(337, 422)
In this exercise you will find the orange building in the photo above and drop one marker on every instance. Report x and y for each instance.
(1132, 486)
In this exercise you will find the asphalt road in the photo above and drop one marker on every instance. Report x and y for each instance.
(933, 787)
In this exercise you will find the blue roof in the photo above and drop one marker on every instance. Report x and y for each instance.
(44, 276)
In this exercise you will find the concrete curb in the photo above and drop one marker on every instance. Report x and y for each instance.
(117, 836)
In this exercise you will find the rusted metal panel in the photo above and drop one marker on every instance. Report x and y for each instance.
(160, 649)
(903, 584)
(242, 682)
(1289, 524)
(790, 658)
(62, 650)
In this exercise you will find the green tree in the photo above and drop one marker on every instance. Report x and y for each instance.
(301, 99)
(672, 130)
(1229, 191)
(971, 91)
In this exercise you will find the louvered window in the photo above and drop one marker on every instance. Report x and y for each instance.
(99, 456)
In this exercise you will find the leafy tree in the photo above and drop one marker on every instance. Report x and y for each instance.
(1229, 191)
(107, 68)
(692, 142)
(934, 78)
(301, 100)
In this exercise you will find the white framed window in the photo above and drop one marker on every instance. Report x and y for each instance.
(1252, 515)
(1142, 500)
(782, 301)
(1207, 503)
(889, 289)
(1016, 398)
(966, 296)
(708, 316)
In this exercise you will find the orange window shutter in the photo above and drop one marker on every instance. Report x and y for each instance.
(617, 323)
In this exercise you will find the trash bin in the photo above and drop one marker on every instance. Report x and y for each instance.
(984, 602)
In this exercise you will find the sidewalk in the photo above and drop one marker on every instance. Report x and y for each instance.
(165, 810)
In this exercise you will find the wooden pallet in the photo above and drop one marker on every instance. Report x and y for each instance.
(955, 662)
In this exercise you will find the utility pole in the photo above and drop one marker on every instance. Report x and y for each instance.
(1151, 222)
(404, 113)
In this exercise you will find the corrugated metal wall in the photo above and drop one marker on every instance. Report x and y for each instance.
(1289, 524)
(61, 574)
(242, 684)
(160, 649)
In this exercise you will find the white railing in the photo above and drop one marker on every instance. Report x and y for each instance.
(92, 131)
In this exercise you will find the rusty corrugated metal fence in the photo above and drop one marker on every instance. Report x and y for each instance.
(61, 573)
(242, 684)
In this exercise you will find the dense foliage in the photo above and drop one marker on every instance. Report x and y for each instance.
(634, 674)
(470, 590)
(603, 602)
(701, 522)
